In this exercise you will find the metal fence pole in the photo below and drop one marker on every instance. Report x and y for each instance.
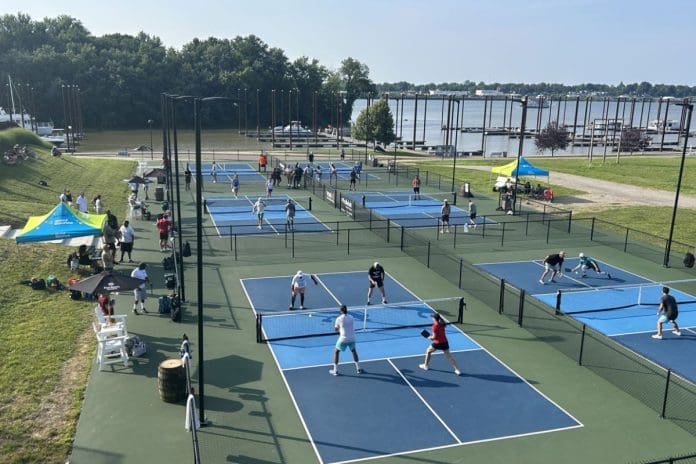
(461, 270)
(501, 298)
(582, 345)
(520, 311)
(548, 230)
(235, 247)
(570, 220)
(502, 236)
(454, 239)
(428, 255)
(402, 238)
(664, 400)
(626, 240)
(293, 243)
(526, 227)
(338, 231)
(592, 229)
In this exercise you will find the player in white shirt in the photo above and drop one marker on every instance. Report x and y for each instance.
(140, 293)
(258, 208)
(297, 287)
(345, 326)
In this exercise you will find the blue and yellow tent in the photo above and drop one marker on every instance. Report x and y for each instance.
(525, 169)
(61, 222)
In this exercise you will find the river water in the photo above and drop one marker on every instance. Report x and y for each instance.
(506, 114)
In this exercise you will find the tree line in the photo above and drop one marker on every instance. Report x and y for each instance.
(121, 77)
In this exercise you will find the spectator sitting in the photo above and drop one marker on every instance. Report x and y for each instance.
(538, 191)
(527, 188)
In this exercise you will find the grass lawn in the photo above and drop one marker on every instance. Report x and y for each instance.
(47, 337)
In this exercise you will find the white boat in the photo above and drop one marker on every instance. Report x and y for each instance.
(657, 125)
(294, 129)
(537, 102)
(57, 137)
(44, 129)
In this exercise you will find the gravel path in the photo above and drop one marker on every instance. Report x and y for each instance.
(602, 194)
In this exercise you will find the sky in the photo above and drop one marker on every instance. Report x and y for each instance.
(427, 41)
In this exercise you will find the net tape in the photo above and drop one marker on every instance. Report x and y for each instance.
(623, 296)
(401, 200)
(320, 322)
(220, 205)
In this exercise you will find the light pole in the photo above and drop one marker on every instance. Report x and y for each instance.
(689, 108)
(454, 154)
(523, 122)
(149, 125)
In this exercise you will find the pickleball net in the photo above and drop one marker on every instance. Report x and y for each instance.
(602, 299)
(244, 204)
(288, 325)
(405, 199)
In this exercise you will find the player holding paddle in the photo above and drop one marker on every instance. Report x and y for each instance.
(298, 286)
(553, 263)
(440, 342)
(345, 326)
(667, 312)
(588, 263)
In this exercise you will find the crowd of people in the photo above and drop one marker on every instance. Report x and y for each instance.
(17, 154)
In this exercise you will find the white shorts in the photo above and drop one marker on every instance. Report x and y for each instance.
(552, 267)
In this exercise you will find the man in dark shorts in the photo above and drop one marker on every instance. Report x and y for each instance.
(163, 229)
(353, 178)
(553, 263)
(375, 278)
(667, 312)
(439, 338)
(445, 216)
(472, 213)
(416, 183)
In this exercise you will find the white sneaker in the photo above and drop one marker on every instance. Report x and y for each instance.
(333, 372)
(423, 366)
(677, 333)
(359, 371)
(442, 231)
(656, 336)
(258, 227)
(541, 282)
(457, 372)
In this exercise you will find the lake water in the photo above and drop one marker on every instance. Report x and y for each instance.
(428, 126)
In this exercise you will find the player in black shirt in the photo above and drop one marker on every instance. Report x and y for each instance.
(667, 312)
(375, 278)
(553, 263)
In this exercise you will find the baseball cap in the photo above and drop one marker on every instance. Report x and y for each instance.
(300, 273)
(376, 264)
(446, 200)
(582, 255)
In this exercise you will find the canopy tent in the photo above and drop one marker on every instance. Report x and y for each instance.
(61, 222)
(525, 169)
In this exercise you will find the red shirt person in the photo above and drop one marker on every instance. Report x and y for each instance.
(163, 225)
(439, 342)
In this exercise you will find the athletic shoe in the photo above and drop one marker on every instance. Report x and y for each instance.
(135, 311)
(423, 366)
(442, 231)
(290, 308)
(677, 333)
(302, 307)
(384, 301)
(656, 336)
(457, 372)
(333, 372)
(541, 282)
(368, 303)
(130, 260)
(258, 227)
(359, 371)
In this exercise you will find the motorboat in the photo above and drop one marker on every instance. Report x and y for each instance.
(44, 129)
(294, 129)
(657, 125)
(57, 137)
(537, 102)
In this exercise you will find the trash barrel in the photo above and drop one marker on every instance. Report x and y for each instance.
(159, 193)
(310, 157)
(171, 381)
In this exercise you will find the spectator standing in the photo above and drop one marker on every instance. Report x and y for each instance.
(445, 216)
(68, 198)
(127, 239)
(262, 162)
(82, 203)
(140, 293)
(162, 225)
(472, 213)
(107, 258)
(269, 187)
(98, 204)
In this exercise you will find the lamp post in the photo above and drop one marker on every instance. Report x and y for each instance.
(68, 137)
(454, 154)
(197, 103)
(523, 101)
(149, 125)
(689, 108)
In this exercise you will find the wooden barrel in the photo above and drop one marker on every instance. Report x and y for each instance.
(171, 381)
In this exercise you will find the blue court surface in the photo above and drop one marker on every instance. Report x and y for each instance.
(623, 307)
(224, 172)
(408, 210)
(393, 407)
(234, 216)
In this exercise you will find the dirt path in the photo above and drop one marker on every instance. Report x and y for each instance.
(603, 194)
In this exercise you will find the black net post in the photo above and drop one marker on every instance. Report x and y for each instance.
(454, 239)
(402, 239)
(428, 255)
(235, 247)
(231, 244)
(502, 236)
(259, 332)
(570, 220)
(592, 229)
(664, 399)
(310, 204)
(558, 302)
(520, 311)
(626, 240)
(501, 298)
(293, 243)
(363, 201)
(460, 311)
(582, 344)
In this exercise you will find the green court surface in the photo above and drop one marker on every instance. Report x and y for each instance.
(252, 417)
